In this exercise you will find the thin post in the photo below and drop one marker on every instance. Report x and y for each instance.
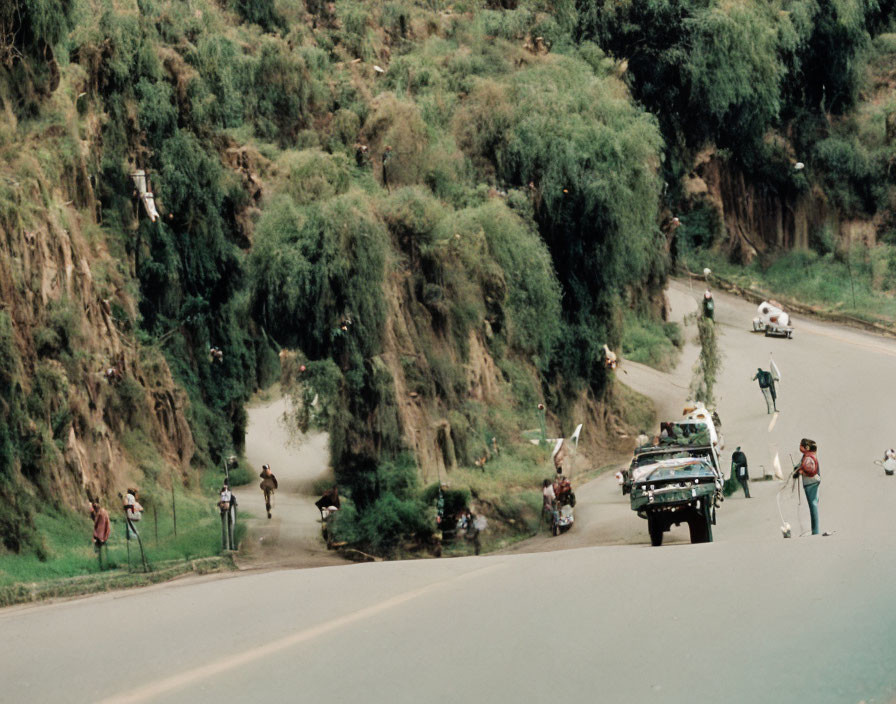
(231, 523)
(173, 506)
(224, 543)
(851, 282)
(132, 529)
(155, 522)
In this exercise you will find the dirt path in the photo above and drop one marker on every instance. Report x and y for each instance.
(291, 537)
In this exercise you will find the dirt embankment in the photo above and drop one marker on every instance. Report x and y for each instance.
(757, 217)
(73, 319)
(434, 429)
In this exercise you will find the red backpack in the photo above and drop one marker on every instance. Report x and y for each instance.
(810, 468)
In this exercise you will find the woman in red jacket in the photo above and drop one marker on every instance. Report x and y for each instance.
(808, 469)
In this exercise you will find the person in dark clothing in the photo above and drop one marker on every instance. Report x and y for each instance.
(330, 498)
(739, 470)
(268, 485)
(767, 387)
(709, 305)
(387, 155)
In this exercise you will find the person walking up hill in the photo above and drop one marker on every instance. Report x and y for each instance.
(268, 485)
(767, 387)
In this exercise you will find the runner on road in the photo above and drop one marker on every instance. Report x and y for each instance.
(268, 485)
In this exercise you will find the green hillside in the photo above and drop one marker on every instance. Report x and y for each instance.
(435, 214)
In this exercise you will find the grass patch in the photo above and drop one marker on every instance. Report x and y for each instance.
(860, 282)
(69, 545)
(636, 410)
(650, 342)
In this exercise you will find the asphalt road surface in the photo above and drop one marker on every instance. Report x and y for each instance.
(599, 617)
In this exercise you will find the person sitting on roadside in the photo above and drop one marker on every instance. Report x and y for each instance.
(548, 496)
(329, 502)
(563, 491)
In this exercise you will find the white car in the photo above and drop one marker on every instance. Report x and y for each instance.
(772, 320)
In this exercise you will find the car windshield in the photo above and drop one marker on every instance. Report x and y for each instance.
(671, 454)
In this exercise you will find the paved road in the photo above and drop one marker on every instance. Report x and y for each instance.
(803, 620)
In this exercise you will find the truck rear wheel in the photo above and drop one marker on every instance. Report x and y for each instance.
(700, 525)
(655, 528)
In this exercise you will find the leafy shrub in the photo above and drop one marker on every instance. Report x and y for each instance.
(822, 239)
(700, 228)
(62, 333)
(412, 215)
(397, 124)
(313, 269)
(528, 286)
(261, 12)
(156, 112)
(283, 92)
(585, 157)
(223, 72)
(853, 177)
(313, 175)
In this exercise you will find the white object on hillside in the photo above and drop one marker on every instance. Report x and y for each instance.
(141, 183)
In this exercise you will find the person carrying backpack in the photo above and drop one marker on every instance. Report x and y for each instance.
(767, 387)
(739, 470)
(809, 470)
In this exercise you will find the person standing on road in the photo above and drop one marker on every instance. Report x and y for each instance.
(709, 305)
(470, 526)
(133, 511)
(767, 387)
(809, 470)
(739, 470)
(268, 485)
(102, 528)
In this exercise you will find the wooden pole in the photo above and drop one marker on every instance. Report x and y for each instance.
(173, 507)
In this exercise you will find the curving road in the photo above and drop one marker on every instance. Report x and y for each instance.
(748, 618)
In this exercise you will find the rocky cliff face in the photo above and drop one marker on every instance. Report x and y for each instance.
(444, 435)
(85, 430)
(758, 218)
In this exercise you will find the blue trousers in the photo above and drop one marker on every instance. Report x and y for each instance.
(812, 499)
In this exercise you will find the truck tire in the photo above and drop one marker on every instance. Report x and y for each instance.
(700, 525)
(655, 528)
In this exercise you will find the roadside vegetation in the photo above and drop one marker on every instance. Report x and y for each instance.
(859, 281)
(66, 550)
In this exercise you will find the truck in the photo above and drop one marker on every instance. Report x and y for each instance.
(678, 481)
